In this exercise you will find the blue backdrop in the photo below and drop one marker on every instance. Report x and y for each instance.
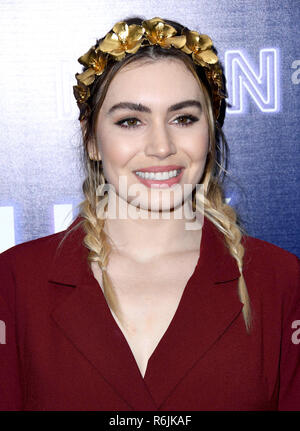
(41, 175)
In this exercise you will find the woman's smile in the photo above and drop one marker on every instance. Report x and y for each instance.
(160, 176)
(160, 179)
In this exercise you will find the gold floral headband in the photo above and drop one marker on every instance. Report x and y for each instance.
(125, 39)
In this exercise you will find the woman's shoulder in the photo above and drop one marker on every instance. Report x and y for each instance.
(271, 271)
(269, 257)
(27, 267)
(33, 249)
(38, 249)
(267, 254)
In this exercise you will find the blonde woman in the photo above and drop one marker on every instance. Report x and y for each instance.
(154, 298)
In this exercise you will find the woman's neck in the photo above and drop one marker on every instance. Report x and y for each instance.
(154, 234)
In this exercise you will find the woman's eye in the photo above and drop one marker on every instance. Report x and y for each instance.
(186, 120)
(131, 123)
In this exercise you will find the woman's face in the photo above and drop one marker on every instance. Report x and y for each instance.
(152, 120)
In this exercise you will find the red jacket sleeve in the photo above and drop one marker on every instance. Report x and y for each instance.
(10, 387)
(289, 389)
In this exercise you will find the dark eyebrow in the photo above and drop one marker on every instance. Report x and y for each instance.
(141, 108)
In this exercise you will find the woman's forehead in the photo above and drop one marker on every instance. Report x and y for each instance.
(163, 79)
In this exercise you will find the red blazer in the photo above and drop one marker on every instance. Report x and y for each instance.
(64, 350)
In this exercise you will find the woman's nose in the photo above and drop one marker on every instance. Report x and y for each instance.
(159, 142)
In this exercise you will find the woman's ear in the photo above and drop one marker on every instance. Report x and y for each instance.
(91, 145)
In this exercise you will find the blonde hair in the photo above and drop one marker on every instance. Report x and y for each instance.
(222, 215)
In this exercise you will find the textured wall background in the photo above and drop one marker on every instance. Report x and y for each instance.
(40, 168)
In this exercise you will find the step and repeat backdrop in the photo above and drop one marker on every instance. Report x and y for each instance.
(41, 173)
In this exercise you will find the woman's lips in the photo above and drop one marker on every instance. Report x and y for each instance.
(160, 183)
(160, 168)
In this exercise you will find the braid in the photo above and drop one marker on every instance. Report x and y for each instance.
(222, 215)
(225, 219)
(96, 240)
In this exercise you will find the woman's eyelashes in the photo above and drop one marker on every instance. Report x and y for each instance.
(182, 121)
(187, 120)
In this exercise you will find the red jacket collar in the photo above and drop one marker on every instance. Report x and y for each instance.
(70, 265)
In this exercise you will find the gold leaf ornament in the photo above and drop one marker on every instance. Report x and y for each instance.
(158, 32)
(124, 38)
(199, 45)
(216, 76)
(81, 93)
(85, 58)
(95, 61)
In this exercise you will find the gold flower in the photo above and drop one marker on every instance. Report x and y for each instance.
(158, 32)
(122, 39)
(95, 62)
(81, 92)
(215, 74)
(126, 38)
(199, 45)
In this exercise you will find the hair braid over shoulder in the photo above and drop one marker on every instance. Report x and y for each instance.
(224, 218)
(92, 210)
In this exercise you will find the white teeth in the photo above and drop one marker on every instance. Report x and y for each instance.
(160, 176)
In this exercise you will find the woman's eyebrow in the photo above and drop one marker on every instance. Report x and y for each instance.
(142, 108)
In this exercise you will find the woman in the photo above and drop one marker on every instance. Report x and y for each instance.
(154, 298)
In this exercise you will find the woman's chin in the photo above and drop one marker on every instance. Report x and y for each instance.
(157, 208)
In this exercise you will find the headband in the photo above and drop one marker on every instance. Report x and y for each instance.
(127, 39)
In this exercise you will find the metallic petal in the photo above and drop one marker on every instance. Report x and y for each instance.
(118, 56)
(121, 29)
(186, 50)
(166, 29)
(135, 48)
(135, 32)
(84, 59)
(151, 23)
(205, 42)
(192, 39)
(110, 43)
(117, 52)
(152, 38)
(157, 29)
(198, 60)
(176, 41)
(196, 41)
(87, 77)
(97, 61)
(81, 93)
(208, 56)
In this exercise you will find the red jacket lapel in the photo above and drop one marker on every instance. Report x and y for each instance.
(207, 308)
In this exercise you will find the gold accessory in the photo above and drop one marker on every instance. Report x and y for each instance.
(126, 38)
